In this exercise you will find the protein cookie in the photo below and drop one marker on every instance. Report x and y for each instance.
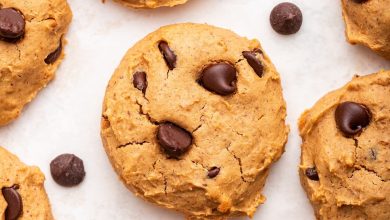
(150, 3)
(368, 23)
(345, 166)
(23, 194)
(193, 118)
(31, 40)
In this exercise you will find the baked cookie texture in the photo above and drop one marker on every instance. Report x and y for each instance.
(28, 63)
(150, 3)
(237, 133)
(28, 182)
(347, 175)
(368, 23)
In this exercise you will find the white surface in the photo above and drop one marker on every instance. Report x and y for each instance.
(65, 117)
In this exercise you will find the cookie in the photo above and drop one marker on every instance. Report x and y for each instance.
(345, 166)
(368, 23)
(23, 194)
(193, 118)
(31, 41)
(150, 3)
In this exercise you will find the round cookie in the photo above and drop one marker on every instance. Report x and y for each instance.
(150, 3)
(193, 118)
(345, 166)
(368, 23)
(31, 40)
(23, 194)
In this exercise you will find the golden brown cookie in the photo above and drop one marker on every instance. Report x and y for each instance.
(345, 166)
(31, 40)
(150, 3)
(193, 118)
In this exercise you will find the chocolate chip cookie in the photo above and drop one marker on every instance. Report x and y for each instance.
(23, 194)
(150, 3)
(193, 118)
(31, 40)
(368, 23)
(345, 166)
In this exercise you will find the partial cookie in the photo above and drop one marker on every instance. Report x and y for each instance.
(193, 118)
(31, 40)
(345, 166)
(368, 23)
(23, 194)
(150, 3)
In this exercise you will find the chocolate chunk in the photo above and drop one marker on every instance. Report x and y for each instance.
(53, 56)
(286, 18)
(254, 61)
(169, 55)
(139, 81)
(312, 174)
(220, 78)
(351, 118)
(67, 170)
(14, 201)
(173, 139)
(12, 24)
(360, 1)
(213, 172)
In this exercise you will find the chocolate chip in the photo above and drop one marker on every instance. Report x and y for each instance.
(213, 172)
(53, 56)
(14, 201)
(254, 61)
(139, 81)
(219, 78)
(312, 174)
(173, 139)
(12, 24)
(286, 18)
(360, 1)
(169, 55)
(67, 170)
(351, 118)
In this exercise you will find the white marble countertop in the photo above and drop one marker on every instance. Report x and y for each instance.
(65, 117)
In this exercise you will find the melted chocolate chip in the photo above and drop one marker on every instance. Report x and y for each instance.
(254, 61)
(219, 78)
(12, 24)
(286, 18)
(213, 172)
(139, 81)
(14, 201)
(173, 139)
(169, 55)
(360, 1)
(67, 170)
(53, 56)
(312, 174)
(351, 118)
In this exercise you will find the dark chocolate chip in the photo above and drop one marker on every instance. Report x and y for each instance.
(14, 201)
(213, 172)
(351, 118)
(220, 78)
(12, 24)
(360, 1)
(67, 170)
(169, 55)
(312, 174)
(254, 61)
(139, 81)
(53, 56)
(173, 139)
(286, 18)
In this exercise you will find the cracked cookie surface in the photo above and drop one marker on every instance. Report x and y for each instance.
(345, 166)
(192, 120)
(31, 40)
(150, 3)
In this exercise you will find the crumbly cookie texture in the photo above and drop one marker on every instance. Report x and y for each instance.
(192, 120)
(150, 3)
(345, 166)
(368, 23)
(28, 63)
(28, 183)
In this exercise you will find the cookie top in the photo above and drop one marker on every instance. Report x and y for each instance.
(23, 194)
(31, 32)
(368, 23)
(150, 3)
(345, 166)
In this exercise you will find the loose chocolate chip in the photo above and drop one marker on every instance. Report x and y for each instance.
(219, 78)
(139, 81)
(12, 24)
(286, 18)
(254, 61)
(14, 201)
(53, 56)
(213, 172)
(173, 139)
(360, 1)
(169, 55)
(67, 170)
(351, 118)
(312, 174)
